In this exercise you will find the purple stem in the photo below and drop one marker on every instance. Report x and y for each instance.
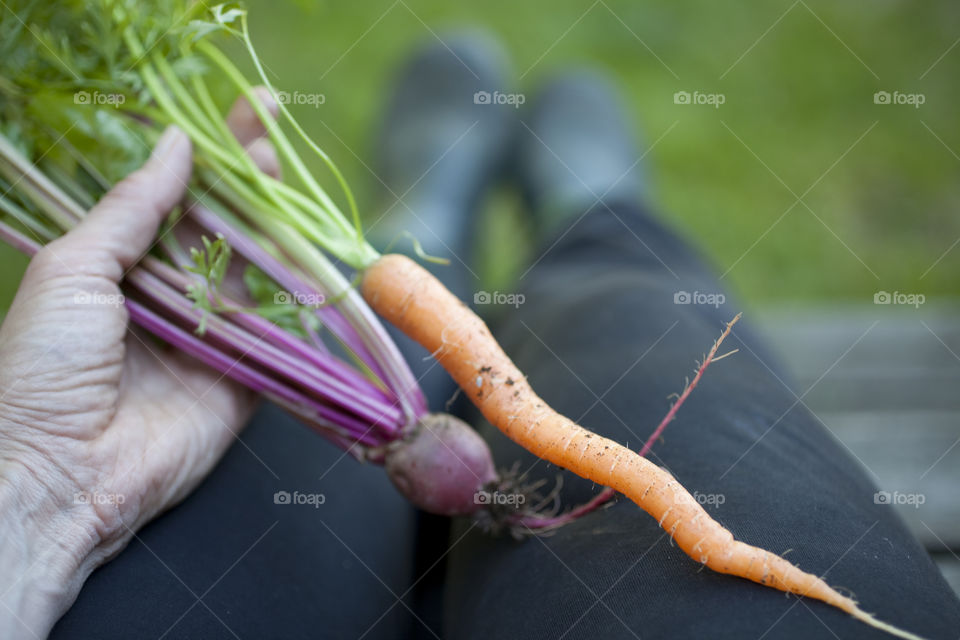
(343, 430)
(374, 412)
(327, 430)
(315, 340)
(399, 377)
(18, 241)
(321, 416)
(283, 276)
(323, 360)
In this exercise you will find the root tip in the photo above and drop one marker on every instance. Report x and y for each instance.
(866, 618)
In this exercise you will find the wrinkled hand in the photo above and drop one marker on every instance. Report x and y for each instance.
(101, 427)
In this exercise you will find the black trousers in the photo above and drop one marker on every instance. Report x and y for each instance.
(616, 311)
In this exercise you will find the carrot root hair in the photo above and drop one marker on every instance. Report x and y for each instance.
(417, 303)
(866, 618)
(533, 523)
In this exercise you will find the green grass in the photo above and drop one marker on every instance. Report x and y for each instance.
(799, 99)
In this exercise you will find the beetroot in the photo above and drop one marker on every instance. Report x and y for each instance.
(442, 466)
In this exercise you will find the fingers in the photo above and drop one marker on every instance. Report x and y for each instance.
(122, 226)
(243, 120)
(251, 132)
(264, 156)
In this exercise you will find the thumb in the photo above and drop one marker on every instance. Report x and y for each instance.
(121, 227)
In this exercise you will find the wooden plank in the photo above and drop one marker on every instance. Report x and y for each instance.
(910, 453)
(845, 390)
(885, 381)
(851, 339)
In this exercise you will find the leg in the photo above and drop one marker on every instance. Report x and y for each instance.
(263, 569)
(603, 341)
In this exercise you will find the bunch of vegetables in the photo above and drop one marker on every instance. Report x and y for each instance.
(87, 86)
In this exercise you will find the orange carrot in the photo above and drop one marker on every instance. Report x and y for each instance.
(417, 303)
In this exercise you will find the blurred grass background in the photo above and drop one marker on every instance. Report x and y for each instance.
(798, 96)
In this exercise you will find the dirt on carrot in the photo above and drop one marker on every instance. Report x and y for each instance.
(417, 303)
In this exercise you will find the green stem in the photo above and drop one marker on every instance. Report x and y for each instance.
(61, 209)
(273, 129)
(180, 92)
(29, 222)
(282, 194)
(152, 80)
(360, 254)
(354, 212)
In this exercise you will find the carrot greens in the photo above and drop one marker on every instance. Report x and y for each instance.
(86, 88)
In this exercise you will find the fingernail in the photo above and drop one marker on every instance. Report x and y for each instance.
(171, 137)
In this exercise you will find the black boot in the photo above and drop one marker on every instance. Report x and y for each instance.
(576, 150)
(443, 141)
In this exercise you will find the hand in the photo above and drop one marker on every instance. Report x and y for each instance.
(101, 428)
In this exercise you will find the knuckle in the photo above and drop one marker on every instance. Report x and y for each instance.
(76, 258)
(49, 261)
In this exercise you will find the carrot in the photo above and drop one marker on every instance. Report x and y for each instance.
(417, 303)
(536, 523)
